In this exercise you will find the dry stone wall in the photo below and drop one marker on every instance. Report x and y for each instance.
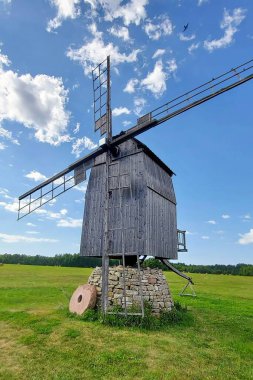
(155, 288)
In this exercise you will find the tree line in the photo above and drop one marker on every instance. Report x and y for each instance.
(75, 260)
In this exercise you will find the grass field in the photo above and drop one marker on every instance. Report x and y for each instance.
(38, 340)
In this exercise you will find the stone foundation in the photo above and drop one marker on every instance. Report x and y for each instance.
(155, 288)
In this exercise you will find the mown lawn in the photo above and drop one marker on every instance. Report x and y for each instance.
(38, 340)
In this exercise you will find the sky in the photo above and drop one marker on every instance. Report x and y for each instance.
(47, 51)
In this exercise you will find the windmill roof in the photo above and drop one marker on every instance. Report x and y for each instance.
(154, 157)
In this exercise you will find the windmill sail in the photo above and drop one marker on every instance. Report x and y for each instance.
(201, 94)
(56, 185)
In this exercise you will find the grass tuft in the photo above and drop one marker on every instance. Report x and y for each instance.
(177, 315)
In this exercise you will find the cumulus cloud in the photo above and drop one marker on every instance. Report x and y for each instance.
(6, 238)
(70, 222)
(131, 85)
(4, 61)
(162, 27)
(36, 102)
(77, 128)
(229, 24)
(2, 146)
(29, 224)
(120, 32)
(132, 12)
(120, 111)
(193, 47)
(211, 222)
(94, 51)
(155, 81)
(246, 238)
(158, 53)
(139, 104)
(184, 37)
(36, 176)
(81, 144)
(11, 206)
(225, 216)
(204, 237)
(126, 123)
(65, 9)
(5, 134)
(246, 218)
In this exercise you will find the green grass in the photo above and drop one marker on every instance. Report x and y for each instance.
(39, 340)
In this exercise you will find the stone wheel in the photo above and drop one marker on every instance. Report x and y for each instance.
(83, 298)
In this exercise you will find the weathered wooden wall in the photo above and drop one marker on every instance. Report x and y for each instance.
(161, 222)
(142, 207)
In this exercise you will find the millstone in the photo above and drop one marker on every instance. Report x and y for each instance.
(83, 298)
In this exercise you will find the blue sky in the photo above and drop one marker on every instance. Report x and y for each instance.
(47, 49)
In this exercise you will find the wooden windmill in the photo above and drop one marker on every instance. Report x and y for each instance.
(130, 209)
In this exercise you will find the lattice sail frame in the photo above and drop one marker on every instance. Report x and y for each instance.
(53, 187)
(102, 97)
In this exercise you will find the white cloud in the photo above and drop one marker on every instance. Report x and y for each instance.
(139, 104)
(132, 12)
(12, 207)
(5, 238)
(2, 146)
(36, 102)
(225, 216)
(120, 111)
(204, 237)
(5, 193)
(4, 61)
(32, 232)
(126, 123)
(65, 9)
(77, 128)
(163, 27)
(81, 187)
(120, 32)
(70, 222)
(81, 144)
(193, 47)
(36, 176)
(246, 218)
(246, 238)
(130, 86)
(158, 53)
(5, 134)
(155, 81)
(229, 24)
(172, 65)
(201, 2)
(184, 37)
(95, 51)
(50, 214)
(29, 224)
(211, 221)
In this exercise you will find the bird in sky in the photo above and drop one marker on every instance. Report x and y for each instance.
(186, 27)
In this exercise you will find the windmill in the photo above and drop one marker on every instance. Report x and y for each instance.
(130, 209)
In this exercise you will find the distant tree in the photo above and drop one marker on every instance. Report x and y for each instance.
(75, 260)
